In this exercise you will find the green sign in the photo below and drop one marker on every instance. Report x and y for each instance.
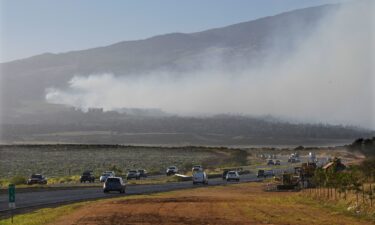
(12, 192)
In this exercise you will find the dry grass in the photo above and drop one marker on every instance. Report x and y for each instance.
(235, 204)
(347, 203)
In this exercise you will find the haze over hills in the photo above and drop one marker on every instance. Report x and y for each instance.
(176, 51)
(40, 94)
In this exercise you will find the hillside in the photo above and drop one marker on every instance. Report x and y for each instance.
(28, 117)
(27, 79)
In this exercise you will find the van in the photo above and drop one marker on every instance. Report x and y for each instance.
(200, 177)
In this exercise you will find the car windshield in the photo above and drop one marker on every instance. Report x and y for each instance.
(172, 167)
(106, 174)
(36, 176)
(232, 173)
(86, 173)
(132, 171)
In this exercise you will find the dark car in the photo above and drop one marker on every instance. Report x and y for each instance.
(278, 163)
(261, 173)
(269, 173)
(87, 176)
(270, 162)
(37, 179)
(142, 173)
(133, 174)
(114, 184)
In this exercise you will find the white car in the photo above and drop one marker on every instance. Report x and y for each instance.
(171, 170)
(111, 172)
(233, 176)
(200, 177)
(104, 176)
(197, 168)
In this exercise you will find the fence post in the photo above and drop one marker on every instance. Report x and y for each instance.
(371, 193)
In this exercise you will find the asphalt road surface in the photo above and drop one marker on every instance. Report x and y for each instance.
(29, 201)
(33, 200)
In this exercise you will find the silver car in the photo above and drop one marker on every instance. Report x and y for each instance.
(114, 184)
(233, 176)
(104, 176)
(200, 177)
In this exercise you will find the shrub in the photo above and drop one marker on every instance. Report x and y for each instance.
(17, 180)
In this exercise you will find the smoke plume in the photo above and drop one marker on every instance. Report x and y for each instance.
(329, 78)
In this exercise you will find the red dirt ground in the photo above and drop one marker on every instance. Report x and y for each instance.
(235, 204)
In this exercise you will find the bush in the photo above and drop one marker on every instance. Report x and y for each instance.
(18, 180)
(299, 148)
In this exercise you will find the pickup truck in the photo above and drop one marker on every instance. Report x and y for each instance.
(87, 176)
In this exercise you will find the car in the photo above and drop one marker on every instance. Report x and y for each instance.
(261, 173)
(233, 176)
(196, 168)
(114, 184)
(37, 179)
(87, 176)
(104, 176)
(269, 173)
(133, 174)
(171, 170)
(142, 173)
(270, 162)
(111, 172)
(200, 177)
(278, 163)
(224, 176)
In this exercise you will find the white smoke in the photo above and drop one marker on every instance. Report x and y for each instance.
(329, 78)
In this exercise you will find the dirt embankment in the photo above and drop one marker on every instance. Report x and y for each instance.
(236, 204)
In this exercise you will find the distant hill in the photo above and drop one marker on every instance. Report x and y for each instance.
(27, 117)
(26, 80)
(101, 127)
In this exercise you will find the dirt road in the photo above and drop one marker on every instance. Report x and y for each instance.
(234, 204)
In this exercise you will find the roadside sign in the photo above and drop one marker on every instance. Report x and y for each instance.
(12, 198)
(12, 193)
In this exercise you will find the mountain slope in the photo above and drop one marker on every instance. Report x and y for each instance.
(27, 79)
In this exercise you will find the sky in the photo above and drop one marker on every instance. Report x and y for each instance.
(30, 28)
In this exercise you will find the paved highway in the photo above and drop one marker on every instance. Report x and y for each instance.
(28, 201)
(38, 199)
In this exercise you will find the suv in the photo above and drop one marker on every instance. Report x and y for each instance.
(37, 179)
(233, 176)
(197, 168)
(261, 173)
(200, 177)
(142, 173)
(87, 176)
(171, 170)
(133, 174)
(114, 184)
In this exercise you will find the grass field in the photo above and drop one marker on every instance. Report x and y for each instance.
(234, 204)
(64, 163)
